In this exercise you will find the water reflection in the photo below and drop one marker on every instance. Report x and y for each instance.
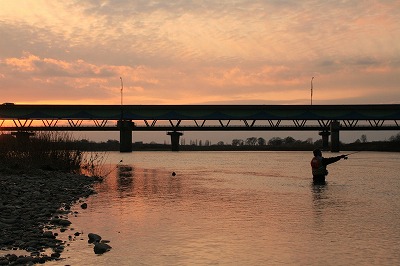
(125, 179)
(319, 195)
(132, 181)
(330, 204)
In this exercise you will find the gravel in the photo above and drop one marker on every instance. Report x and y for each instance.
(32, 206)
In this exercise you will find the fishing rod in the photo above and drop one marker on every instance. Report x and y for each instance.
(352, 153)
(345, 155)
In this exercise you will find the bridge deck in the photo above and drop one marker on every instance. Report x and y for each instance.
(198, 117)
(202, 112)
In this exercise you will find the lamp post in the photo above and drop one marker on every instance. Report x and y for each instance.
(122, 88)
(311, 88)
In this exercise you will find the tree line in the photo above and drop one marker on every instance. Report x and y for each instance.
(275, 141)
(251, 141)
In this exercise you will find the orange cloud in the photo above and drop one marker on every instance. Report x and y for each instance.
(24, 64)
(198, 52)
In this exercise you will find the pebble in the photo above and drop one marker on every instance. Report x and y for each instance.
(32, 206)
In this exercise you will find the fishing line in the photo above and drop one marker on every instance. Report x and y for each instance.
(112, 170)
(352, 153)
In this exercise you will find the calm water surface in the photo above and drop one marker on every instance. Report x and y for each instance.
(242, 208)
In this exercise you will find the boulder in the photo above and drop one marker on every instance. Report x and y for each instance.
(64, 222)
(94, 238)
(100, 248)
(48, 234)
(23, 260)
(61, 222)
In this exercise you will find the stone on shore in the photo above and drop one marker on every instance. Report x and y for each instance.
(100, 248)
(48, 234)
(93, 238)
(33, 204)
(61, 222)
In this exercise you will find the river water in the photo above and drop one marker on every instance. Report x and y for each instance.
(241, 208)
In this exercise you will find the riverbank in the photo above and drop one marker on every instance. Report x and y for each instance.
(33, 207)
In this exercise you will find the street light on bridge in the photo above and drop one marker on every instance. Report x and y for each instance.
(311, 88)
(122, 88)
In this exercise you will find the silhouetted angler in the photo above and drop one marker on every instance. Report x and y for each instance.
(319, 163)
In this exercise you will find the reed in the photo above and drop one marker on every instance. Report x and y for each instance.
(46, 151)
(93, 164)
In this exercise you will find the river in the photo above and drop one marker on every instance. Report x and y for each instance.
(241, 208)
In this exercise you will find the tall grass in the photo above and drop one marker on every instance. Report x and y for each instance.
(45, 150)
(93, 164)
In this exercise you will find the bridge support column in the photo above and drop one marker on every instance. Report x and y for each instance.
(125, 135)
(335, 142)
(175, 139)
(325, 139)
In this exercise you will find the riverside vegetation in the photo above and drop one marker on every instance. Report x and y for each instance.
(40, 179)
(250, 144)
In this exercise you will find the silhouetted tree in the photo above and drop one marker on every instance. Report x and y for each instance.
(237, 142)
(251, 141)
(275, 141)
(318, 143)
(395, 138)
(363, 138)
(261, 141)
(289, 140)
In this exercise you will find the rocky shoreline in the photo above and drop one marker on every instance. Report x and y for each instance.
(34, 205)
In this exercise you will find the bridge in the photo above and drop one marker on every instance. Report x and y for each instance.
(328, 120)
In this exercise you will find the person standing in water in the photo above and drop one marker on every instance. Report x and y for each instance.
(319, 163)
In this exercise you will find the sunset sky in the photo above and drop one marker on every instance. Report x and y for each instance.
(199, 52)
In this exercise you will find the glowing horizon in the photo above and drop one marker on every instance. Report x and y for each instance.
(246, 52)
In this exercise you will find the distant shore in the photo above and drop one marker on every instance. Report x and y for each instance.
(388, 146)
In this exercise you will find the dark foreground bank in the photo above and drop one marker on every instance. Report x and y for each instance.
(32, 206)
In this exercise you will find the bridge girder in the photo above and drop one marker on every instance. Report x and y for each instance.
(194, 125)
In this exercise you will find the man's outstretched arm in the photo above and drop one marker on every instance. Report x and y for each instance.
(326, 161)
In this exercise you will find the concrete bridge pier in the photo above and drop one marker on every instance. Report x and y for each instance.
(325, 139)
(335, 142)
(125, 135)
(175, 139)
